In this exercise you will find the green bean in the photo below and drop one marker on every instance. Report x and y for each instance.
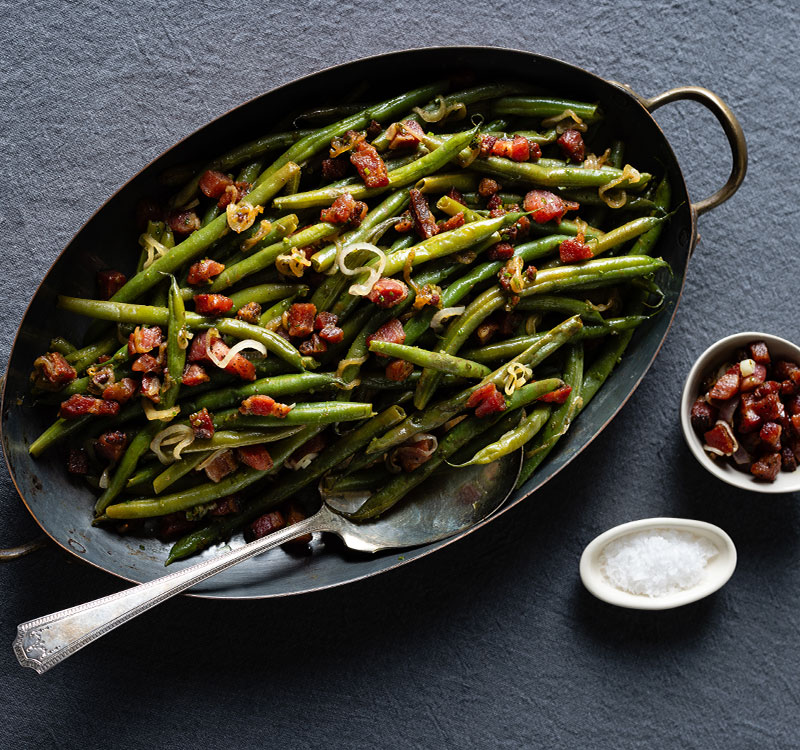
(323, 412)
(249, 173)
(319, 139)
(324, 259)
(435, 360)
(210, 214)
(60, 430)
(549, 136)
(176, 353)
(561, 418)
(127, 465)
(468, 96)
(447, 243)
(564, 305)
(275, 386)
(503, 350)
(589, 197)
(267, 256)
(646, 242)
(62, 346)
(513, 439)
(476, 200)
(441, 183)
(287, 486)
(149, 315)
(276, 311)
(82, 358)
(250, 150)
(399, 177)
(367, 479)
(266, 293)
(544, 107)
(241, 438)
(452, 207)
(592, 274)
(436, 415)
(565, 226)
(144, 477)
(556, 176)
(174, 472)
(321, 114)
(623, 233)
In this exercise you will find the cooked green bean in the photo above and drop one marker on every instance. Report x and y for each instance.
(563, 305)
(557, 176)
(435, 360)
(266, 293)
(175, 471)
(503, 350)
(529, 425)
(544, 107)
(275, 386)
(322, 412)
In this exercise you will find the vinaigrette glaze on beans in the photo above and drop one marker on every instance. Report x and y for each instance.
(439, 278)
(750, 413)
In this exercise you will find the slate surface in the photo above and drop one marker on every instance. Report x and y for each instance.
(492, 642)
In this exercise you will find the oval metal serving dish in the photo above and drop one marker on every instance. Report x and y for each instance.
(63, 508)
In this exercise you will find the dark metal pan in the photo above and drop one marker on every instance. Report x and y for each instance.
(63, 509)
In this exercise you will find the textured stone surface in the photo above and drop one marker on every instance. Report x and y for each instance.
(492, 642)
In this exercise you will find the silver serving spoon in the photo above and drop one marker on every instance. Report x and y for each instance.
(450, 502)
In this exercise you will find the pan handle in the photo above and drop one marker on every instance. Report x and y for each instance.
(733, 131)
(12, 553)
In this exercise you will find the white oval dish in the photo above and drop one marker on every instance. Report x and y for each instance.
(715, 575)
(711, 359)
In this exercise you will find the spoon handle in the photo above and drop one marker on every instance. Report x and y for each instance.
(44, 642)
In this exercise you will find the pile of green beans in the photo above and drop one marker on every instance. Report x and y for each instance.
(547, 344)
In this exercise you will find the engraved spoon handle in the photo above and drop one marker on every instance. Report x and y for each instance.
(44, 642)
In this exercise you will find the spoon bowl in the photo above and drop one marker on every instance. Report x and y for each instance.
(715, 574)
(449, 502)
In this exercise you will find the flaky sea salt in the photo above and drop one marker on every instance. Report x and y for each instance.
(655, 562)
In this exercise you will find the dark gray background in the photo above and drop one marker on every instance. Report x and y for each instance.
(491, 642)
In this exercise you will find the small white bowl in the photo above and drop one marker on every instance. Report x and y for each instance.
(715, 575)
(708, 362)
